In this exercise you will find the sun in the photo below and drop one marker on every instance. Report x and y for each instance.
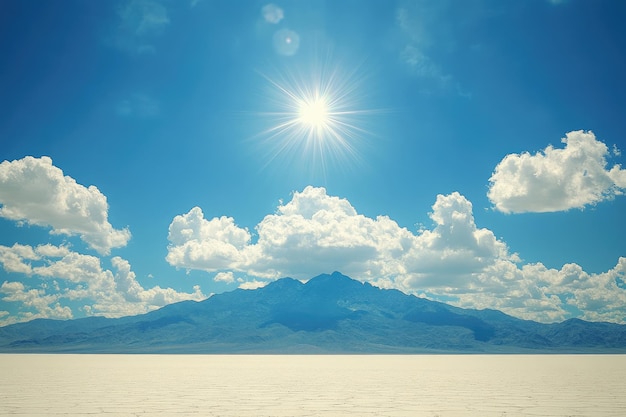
(315, 118)
(314, 112)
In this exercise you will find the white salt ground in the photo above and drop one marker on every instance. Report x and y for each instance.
(276, 385)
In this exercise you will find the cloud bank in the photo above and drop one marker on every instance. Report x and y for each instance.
(59, 281)
(455, 261)
(557, 179)
(68, 276)
(34, 191)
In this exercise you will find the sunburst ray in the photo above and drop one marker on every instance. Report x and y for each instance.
(315, 119)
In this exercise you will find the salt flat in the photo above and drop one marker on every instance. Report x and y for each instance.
(311, 385)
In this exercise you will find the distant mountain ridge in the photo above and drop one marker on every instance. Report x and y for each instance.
(330, 313)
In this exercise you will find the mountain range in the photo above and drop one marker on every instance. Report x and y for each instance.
(330, 313)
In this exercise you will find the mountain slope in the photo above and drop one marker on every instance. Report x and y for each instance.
(330, 313)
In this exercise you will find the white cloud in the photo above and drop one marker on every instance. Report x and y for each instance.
(272, 13)
(52, 251)
(616, 151)
(226, 277)
(36, 192)
(197, 243)
(315, 232)
(556, 179)
(324, 230)
(44, 305)
(252, 285)
(12, 288)
(13, 258)
(455, 260)
(454, 250)
(75, 276)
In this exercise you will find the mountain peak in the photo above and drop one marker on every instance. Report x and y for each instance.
(334, 279)
(331, 312)
(284, 283)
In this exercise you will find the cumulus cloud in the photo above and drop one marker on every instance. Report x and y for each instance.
(557, 179)
(252, 285)
(226, 277)
(13, 258)
(44, 305)
(454, 250)
(70, 276)
(272, 13)
(315, 231)
(455, 260)
(197, 242)
(322, 229)
(34, 191)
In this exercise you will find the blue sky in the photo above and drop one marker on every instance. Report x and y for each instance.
(155, 151)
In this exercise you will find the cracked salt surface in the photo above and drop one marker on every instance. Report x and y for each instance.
(312, 385)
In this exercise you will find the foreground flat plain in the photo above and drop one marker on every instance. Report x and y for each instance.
(313, 385)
